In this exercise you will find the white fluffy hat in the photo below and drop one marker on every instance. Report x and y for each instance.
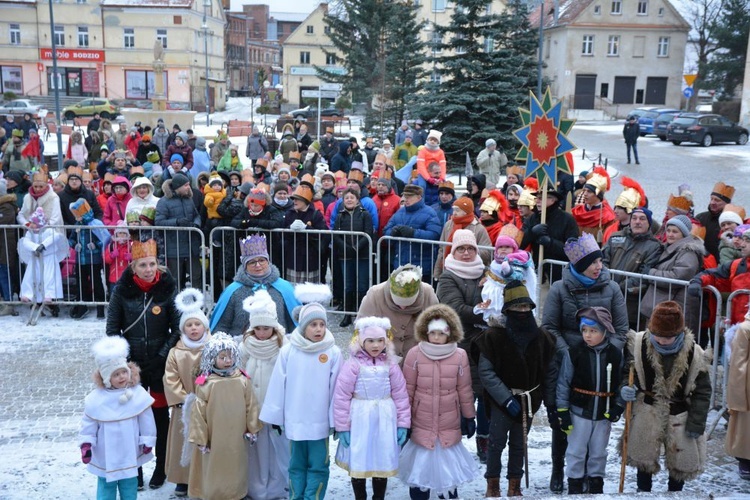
(314, 296)
(190, 304)
(218, 342)
(262, 309)
(111, 354)
(372, 327)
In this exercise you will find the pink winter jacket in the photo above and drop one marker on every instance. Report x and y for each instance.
(115, 210)
(346, 384)
(439, 392)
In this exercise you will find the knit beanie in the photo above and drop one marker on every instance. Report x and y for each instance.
(516, 293)
(740, 230)
(313, 296)
(405, 284)
(463, 237)
(597, 317)
(179, 180)
(645, 211)
(176, 157)
(111, 354)
(262, 309)
(729, 216)
(465, 203)
(506, 241)
(190, 304)
(667, 319)
(681, 222)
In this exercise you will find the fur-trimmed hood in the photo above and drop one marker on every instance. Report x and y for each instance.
(135, 376)
(434, 312)
(166, 188)
(8, 198)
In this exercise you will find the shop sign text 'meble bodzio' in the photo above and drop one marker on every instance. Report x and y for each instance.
(73, 55)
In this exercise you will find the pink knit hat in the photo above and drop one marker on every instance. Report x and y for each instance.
(505, 241)
(463, 237)
(372, 327)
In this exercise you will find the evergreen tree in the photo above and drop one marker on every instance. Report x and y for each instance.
(485, 65)
(726, 69)
(379, 45)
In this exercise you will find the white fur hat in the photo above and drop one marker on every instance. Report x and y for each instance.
(314, 296)
(218, 342)
(190, 304)
(111, 354)
(372, 327)
(262, 309)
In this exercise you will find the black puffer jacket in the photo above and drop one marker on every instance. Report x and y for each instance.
(349, 246)
(68, 196)
(152, 335)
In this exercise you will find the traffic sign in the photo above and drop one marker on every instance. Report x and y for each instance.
(690, 79)
(688, 92)
(331, 86)
(323, 94)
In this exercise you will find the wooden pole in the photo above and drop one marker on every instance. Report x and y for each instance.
(626, 432)
(543, 215)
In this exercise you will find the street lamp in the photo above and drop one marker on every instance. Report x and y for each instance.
(206, 32)
(56, 82)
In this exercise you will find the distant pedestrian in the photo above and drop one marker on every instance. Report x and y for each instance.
(631, 132)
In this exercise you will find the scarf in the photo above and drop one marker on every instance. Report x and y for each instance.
(304, 344)
(522, 328)
(432, 147)
(436, 352)
(260, 281)
(458, 223)
(584, 280)
(38, 194)
(224, 373)
(262, 349)
(146, 286)
(194, 344)
(668, 350)
(466, 270)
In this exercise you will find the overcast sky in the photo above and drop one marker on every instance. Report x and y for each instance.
(303, 6)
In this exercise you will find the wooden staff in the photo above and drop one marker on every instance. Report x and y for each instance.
(525, 425)
(626, 432)
(543, 220)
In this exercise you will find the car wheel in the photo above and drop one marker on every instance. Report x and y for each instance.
(676, 143)
(707, 140)
(742, 139)
(662, 138)
(69, 115)
(300, 117)
(105, 115)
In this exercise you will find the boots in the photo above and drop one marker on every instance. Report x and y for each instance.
(675, 485)
(556, 480)
(596, 486)
(359, 486)
(348, 306)
(99, 312)
(575, 486)
(140, 478)
(644, 481)
(559, 446)
(161, 417)
(8, 310)
(379, 485)
(493, 488)
(514, 487)
(482, 444)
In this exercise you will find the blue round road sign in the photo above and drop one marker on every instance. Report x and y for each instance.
(688, 92)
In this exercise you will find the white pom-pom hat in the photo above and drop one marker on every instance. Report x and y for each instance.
(111, 354)
(372, 327)
(262, 309)
(190, 304)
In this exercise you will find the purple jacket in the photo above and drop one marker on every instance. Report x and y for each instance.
(347, 381)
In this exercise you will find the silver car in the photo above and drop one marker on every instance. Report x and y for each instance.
(19, 107)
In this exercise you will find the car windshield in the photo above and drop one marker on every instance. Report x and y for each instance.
(684, 121)
(650, 115)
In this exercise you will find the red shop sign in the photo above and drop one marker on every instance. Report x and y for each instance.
(82, 55)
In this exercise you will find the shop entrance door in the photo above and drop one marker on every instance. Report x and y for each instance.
(74, 82)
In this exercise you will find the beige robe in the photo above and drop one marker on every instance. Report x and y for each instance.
(225, 408)
(738, 394)
(179, 381)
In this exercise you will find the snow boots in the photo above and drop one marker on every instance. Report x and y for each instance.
(514, 487)
(575, 486)
(379, 485)
(482, 445)
(493, 488)
(596, 486)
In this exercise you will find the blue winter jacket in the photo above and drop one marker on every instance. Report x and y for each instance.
(444, 211)
(426, 226)
(341, 161)
(86, 256)
(430, 191)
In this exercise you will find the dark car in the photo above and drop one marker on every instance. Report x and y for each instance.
(646, 120)
(705, 129)
(311, 112)
(661, 122)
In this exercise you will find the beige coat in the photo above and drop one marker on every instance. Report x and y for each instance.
(483, 240)
(225, 408)
(738, 394)
(179, 378)
(378, 302)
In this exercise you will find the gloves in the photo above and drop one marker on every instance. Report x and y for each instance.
(614, 413)
(114, 253)
(690, 434)
(345, 438)
(297, 225)
(505, 269)
(468, 427)
(401, 436)
(695, 289)
(91, 246)
(554, 421)
(544, 240)
(204, 449)
(540, 230)
(86, 453)
(407, 231)
(39, 250)
(146, 449)
(278, 429)
(78, 247)
(512, 407)
(627, 393)
(127, 256)
(250, 438)
(185, 222)
(566, 423)
(396, 231)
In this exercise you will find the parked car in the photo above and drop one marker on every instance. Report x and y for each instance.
(88, 107)
(646, 120)
(19, 107)
(705, 129)
(311, 112)
(638, 112)
(661, 122)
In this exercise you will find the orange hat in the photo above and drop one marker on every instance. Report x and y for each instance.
(261, 162)
(143, 249)
(723, 191)
(516, 170)
(305, 190)
(294, 155)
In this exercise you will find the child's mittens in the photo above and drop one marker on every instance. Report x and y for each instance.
(566, 422)
(114, 253)
(204, 449)
(614, 413)
(344, 438)
(86, 453)
(39, 250)
(127, 256)
(505, 269)
(91, 245)
(468, 427)
(146, 449)
(401, 435)
(78, 247)
(250, 437)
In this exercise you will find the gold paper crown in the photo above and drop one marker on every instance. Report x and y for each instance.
(576, 249)
(142, 249)
(356, 175)
(736, 209)
(447, 185)
(80, 207)
(294, 155)
(526, 199)
(680, 203)
(39, 175)
(516, 170)
(723, 191)
(261, 162)
(247, 175)
(384, 174)
(75, 171)
(305, 189)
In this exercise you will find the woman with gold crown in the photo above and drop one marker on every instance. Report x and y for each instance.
(142, 310)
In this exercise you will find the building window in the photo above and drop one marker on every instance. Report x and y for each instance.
(489, 44)
(460, 49)
(310, 29)
(15, 34)
(327, 30)
(161, 35)
(663, 50)
(587, 49)
(83, 36)
(613, 45)
(304, 58)
(140, 84)
(604, 91)
(437, 41)
(438, 5)
(12, 79)
(330, 60)
(616, 7)
(597, 10)
(642, 7)
(129, 38)
(59, 35)
(435, 77)
(661, 11)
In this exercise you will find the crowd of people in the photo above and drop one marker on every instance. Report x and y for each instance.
(450, 337)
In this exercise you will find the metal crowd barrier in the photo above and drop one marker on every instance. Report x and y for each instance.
(58, 273)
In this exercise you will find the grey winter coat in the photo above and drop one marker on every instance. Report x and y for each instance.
(256, 147)
(568, 295)
(178, 212)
